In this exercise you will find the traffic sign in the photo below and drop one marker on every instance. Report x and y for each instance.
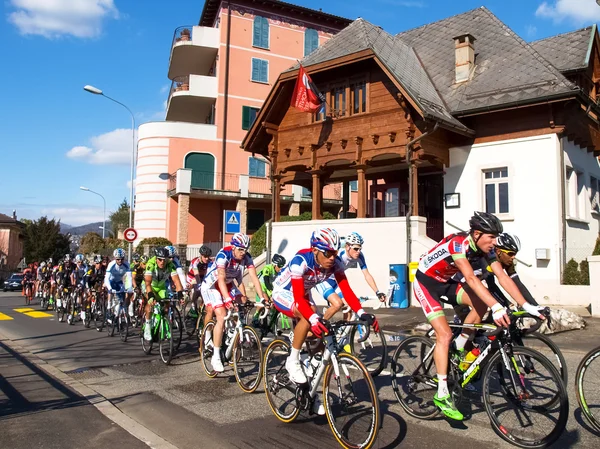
(130, 235)
(232, 222)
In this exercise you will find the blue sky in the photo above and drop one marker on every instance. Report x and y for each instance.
(55, 137)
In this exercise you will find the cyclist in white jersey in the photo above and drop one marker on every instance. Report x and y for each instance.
(219, 291)
(118, 275)
(175, 258)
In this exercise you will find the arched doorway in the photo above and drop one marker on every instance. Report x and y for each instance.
(203, 170)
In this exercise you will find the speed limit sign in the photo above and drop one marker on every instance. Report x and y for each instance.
(130, 235)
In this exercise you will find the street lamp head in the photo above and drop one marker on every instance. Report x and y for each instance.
(92, 89)
(84, 188)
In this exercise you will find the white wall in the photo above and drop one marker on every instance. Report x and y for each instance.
(582, 230)
(534, 201)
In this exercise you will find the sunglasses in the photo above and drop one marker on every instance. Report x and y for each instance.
(509, 253)
(329, 253)
(160, 259)
(356, 248)
(242, 250)
(119, 260)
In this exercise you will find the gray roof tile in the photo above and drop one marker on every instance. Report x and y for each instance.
(566, 51)
(507, 69)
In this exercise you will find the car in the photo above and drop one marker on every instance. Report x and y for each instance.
(13, 282)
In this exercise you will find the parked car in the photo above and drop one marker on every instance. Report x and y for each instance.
(13, 282)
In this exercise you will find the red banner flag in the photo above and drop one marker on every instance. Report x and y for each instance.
(306, 96)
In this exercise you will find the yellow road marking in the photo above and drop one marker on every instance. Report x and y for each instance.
(38, 314)
(4, 317)
(24, 309)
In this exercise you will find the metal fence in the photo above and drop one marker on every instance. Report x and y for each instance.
(194, 251)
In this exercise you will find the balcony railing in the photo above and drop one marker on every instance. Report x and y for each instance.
(183, 34)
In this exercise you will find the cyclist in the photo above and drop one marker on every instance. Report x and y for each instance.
(268, 273)
(41, 275)
(175, 259)
(95, 274)
(63, 276)
(28, 279)
(196, 274)
(291, 293)
(78, 281)
(447, 271)
(137, 274)
(118, 275)
(219, 292)
(159, 270)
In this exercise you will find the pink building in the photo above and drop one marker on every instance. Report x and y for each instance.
(190, 167)
(11, 243)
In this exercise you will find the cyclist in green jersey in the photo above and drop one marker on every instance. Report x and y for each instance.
(268, 273)
(158, 271)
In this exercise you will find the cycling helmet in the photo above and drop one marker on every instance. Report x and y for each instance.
(240, 240)
(205, 251)
(508, 242)
(278, 260)
(49, 260)
(43, 264)
(135, 257)
(97, 258)
(325, 239)
(79, 258)
(143, 259)
(119, 253)
(161, 253)
(486, 223)
(171, 250)
(67, 257)
(354, 238)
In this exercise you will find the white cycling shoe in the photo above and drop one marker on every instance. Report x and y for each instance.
(216, 363)
(147, 334)
(294, 369)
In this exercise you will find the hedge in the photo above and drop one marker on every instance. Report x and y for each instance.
(154, 241)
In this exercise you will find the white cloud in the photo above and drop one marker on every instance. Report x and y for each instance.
(165, 88)
(55, 18)
(578, 11)
(112, 148)
(531, 31)
(73, 215)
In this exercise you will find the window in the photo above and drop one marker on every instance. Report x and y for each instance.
(354, 186)
(248, 116)
(260, 32)
(260, 70)
(339, 101)
(594, 194)
(496, 190)
(203, 170)
(256, 168)
(306, 193)
(345, 99)
(358, 91)
(575, 187)
(311, 41)
(256, 218)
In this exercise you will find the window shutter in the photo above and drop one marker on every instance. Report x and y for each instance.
(245, 117)
(252, 166)
(307, 42)
(260, 168)
(257, 29)
(255, 70)
(264, 71)
(265, 33)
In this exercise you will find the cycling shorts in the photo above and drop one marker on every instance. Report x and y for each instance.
(430, 293)
(328, 288)
(284, 302)
(212, 296)
(117, 286)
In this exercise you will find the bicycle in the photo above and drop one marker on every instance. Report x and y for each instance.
(161, 328)
(28, 292)
(139, 306)
(270, 321)
(74, 305)
(118, 319)
(586, 386)
(241, 346)
(333, 366)
(62, 296)
(511, 384)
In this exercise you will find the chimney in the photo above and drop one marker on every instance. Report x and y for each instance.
(464, 51)
(14, 214)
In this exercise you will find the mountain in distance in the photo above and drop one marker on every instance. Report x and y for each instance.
(84, 229)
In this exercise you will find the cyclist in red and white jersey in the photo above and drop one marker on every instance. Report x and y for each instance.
(446, 274)
(197, 271)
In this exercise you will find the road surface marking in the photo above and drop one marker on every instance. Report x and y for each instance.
(4, 317)
(24, 309)
(38, 314)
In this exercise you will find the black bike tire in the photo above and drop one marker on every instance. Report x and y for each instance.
(339, 433)
(204, 352)
(286, 418)
(394, 367)
(146, 344)
(375, 370)
(504, 433)
(254, 385)
(177, 329)
(559, 360)
(99, 316)
(166, 342)
(580, 393)
(123, 333)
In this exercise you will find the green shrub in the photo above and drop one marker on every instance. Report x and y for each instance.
(154, 241)
(572, 275)
(597, 247)
(584, 275)
(258, 243)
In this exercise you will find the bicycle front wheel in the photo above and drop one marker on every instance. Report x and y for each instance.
(166, 344)
(351, 402)
(99, 315)
(548, 348)
(123, 322)
(247, 360)
(587, 383)
(527, 408)
(206, 349)
(176, 328)
(371, 350)
(279, 388)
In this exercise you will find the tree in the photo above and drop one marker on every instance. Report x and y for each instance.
(119, 219)
(43, 240)
(91, 243)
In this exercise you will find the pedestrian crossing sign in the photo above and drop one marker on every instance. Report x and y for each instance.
(232, 222)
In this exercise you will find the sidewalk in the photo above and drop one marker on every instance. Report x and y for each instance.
(402, 321)
(37, 410)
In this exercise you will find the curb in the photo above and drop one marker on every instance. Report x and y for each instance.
(103, 405)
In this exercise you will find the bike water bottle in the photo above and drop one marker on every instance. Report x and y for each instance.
(305, 361)
(315, 362)
(469, 358)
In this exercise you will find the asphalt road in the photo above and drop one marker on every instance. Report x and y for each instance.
(181, 405)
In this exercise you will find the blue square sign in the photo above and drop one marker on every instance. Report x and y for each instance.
(232, 222)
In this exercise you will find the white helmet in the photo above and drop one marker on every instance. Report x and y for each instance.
(325, 239)
(354, 238)
(240, 240)
(43, 264)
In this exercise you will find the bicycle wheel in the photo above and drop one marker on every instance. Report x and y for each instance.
(99, 315)
(60, 308)
(279, 388)
(166, 344)
(146, 344)
(88, 316)
(123, 323)
(351, 402)
(247, 360)
(190, 317)
(519, 402)
(371, 350)
(548, 348)
(111, 322)
(413, 373)
(207, 349)
(587, 379)
(177, 328)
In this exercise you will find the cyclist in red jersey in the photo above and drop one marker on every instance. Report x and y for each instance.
(447, 271)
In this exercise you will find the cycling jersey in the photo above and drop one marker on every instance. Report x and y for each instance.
(116, 275)
(160, 277)
(266, 276)
(39, 272)
(94, 276)
(498, 294)
(79, 272)
(63, 275)
(137, 272)
(197, 264)
(179, 270)
(348, 262)
(234, 269)
(328, 288)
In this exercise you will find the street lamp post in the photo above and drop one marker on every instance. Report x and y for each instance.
(104, 200)
(96, 91)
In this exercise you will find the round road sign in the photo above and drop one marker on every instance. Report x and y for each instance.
(130, 234)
